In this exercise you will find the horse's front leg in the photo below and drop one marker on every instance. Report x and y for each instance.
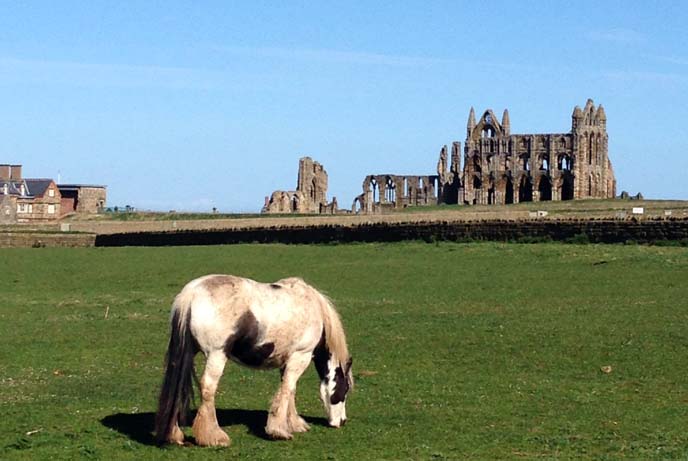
(206, 430)
(296, 422)
(279, 426)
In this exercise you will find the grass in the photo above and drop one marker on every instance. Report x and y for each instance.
(578, 209)
(582, 208)
(180, 216)
(461, 351)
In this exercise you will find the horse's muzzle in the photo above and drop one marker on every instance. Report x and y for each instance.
(341, 423)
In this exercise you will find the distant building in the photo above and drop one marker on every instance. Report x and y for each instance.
(26, 200)
(82, 198)
(501, 168)
(310, 195)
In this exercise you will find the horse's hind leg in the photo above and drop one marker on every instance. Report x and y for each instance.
(279, 426)
(206, 430)
(176, 435)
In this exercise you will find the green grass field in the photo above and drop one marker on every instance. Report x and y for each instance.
(461, 351)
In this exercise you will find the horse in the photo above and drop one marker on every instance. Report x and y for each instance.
(286, 325)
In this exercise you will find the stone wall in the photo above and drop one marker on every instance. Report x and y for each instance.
(312, 183)
(40, 240)
(43, 209)
(82, 199)
(8, 209)
(501, 168)
(91, 200)
(310, 195)
(390, 191)
(596, 231)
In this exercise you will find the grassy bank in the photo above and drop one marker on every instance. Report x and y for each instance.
(477, 351)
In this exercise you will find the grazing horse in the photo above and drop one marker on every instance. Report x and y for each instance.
(285, 325)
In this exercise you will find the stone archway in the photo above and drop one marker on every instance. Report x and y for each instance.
(525, 190)
(545, 189)
(566, 192)
(358, 206)
(509, 191)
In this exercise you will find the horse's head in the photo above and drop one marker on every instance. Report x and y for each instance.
(334, 388)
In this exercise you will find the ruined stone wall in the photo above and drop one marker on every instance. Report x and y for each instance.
(449, 187)
(594, 173)
(310, 195)
(383, 192)
(286, 202)
(312, 183)
(498, 168)
(501, 168)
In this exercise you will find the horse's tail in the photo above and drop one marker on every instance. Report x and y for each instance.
(334, 332)
(177, 387)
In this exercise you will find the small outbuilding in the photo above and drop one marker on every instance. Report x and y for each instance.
(82, 198)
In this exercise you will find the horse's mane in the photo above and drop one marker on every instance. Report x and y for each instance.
(334, 331)
(335, 339)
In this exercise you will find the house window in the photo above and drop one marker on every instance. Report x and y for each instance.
(51, 192)
(24, 208)
(51, 209)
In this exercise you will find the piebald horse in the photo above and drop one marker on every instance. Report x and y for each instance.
(285, 325)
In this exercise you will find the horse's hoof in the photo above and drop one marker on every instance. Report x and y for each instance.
(278, 433)
(217, 438)
(299, 425)
(176, 437)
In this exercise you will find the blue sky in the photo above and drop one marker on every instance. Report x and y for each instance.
(190, 105)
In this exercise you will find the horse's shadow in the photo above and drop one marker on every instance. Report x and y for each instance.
(139, 426)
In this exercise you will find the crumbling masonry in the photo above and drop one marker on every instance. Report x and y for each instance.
(503, 168)
(499, 168)
(310, 195)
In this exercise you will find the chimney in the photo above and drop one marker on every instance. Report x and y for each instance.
(15, 172)
(4, 172)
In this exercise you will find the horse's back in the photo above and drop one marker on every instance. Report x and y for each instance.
(226, 307)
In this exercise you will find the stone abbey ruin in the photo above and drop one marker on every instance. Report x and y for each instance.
(498, 168)
(310, 195)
